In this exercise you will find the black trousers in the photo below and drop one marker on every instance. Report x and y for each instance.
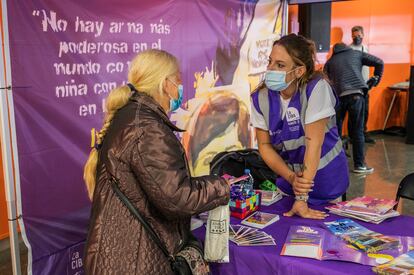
(354, 105)
(366, 111)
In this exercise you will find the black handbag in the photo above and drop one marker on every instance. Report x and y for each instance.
(234, 163)
(180, 263)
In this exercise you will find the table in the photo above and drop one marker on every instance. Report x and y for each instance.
(397, 88)
(262, 260)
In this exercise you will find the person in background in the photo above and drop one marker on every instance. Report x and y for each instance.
(344, 69)
(357, 44)
(137, 150)
(294, 119)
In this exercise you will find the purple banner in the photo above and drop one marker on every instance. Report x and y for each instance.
(66, 56)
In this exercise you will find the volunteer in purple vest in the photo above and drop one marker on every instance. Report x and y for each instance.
(294, 118)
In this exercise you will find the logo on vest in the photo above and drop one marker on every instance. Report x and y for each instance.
(275, 133)
(292, 114)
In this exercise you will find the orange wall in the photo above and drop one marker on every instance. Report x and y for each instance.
(389, 34)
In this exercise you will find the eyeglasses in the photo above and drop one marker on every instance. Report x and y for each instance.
(173, 82)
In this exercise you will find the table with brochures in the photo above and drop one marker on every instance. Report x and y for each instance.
(267, 259)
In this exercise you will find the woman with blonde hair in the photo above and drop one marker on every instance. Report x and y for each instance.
(138, 158)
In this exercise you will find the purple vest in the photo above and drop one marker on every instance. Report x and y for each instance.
(288, 137)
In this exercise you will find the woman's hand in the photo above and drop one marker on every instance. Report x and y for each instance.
(300, 185)
(302, 209)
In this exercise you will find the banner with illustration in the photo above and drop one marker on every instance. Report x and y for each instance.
(66, 56)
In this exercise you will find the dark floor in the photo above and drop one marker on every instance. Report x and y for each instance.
(392, 159)
(390, 156)
(5, 258)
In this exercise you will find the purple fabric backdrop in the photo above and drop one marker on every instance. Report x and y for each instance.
(56, 110)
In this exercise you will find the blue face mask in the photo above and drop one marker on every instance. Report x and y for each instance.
(176, 103)
(276, 80)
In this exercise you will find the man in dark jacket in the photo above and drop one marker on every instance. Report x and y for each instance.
(344, 70)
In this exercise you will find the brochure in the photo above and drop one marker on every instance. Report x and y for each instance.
(360, 237)
(247, 236)
(269, 197)
(404, 264)
(260, 219)
(318, 243)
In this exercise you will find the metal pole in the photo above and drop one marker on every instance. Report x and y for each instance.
(7, 130)
(9, 179)
(390, 108)
(285, 17)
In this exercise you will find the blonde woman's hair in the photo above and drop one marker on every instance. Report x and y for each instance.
(148, 71)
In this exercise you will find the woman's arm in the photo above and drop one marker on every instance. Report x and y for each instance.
(299, 184)
(271, 157)
(161, 169)
(314, 137)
